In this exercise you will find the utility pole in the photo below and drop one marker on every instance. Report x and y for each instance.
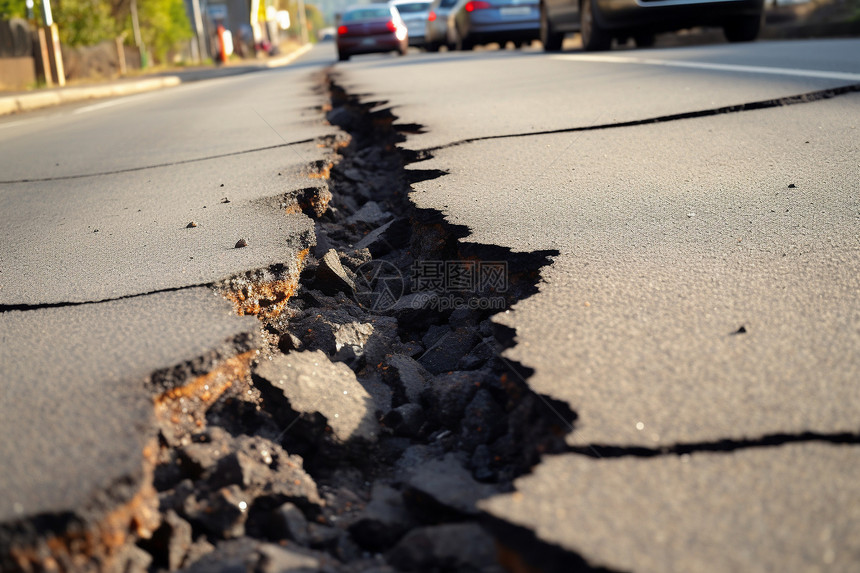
(198, 26)
(55, 54)
(135, 24)
(303, 22)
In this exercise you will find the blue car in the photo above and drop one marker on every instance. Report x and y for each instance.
(474, 22)
(601, 21)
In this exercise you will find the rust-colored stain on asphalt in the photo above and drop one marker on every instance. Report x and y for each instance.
(323, 172)
(265, 298)
(186, 403)
(96, 547)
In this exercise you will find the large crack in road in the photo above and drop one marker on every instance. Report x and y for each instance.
(363, 430)
(375, 422)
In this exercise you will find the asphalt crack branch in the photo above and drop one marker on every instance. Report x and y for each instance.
(725, 446)
(805, 98)
(157, 165)
(32, 307)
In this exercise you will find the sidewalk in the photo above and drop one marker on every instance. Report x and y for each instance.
(28, 101)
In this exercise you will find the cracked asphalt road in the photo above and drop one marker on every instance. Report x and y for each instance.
(100, 275)
(701, 318)
(673, 237)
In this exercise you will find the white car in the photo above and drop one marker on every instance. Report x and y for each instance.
(414, 14)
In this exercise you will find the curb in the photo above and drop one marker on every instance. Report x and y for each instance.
(43, 99)
(288, 58)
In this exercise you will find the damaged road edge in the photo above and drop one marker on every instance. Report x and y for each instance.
(420, 416)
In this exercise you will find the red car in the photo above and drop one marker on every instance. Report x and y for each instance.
(371, 28)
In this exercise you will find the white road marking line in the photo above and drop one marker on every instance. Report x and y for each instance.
(105, 104)
(715, 67)
(8, 124)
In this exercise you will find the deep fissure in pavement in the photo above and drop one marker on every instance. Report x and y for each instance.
(378, 415)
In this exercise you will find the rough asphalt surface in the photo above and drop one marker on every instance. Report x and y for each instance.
(681, 383)
(103, 308)
(75, 407)
(704, 300)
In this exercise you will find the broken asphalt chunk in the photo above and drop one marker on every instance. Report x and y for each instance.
(171, 542)
(331, 277)
(443, 490)
(312, 201)
(406, 376)
(102, 423)
(383, 521)
(405, 420)
(320, 393)
(288, 522)
(445, 353)
(370, 214)
(222, 513)
(448, 395)
(452, 547)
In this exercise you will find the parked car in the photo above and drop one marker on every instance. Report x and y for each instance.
(436, 29)
(475, 22)
(326, 34)
(371, 28)
(414, 14)
(599, 21)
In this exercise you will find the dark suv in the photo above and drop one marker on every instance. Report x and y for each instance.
(599, 21)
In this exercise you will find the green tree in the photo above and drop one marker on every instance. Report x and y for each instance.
(316, 21)
(84, 22)
(12, 9)
(163, 25)
(315, 18)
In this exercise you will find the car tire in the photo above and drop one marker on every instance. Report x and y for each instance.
(594, 38)
(550, 39)
(432, 47)
(743, 28)
(645, 40)
(342, 57)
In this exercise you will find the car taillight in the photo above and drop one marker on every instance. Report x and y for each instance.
(392, 26)
(431, 17)
(342, 30)
(477, 5)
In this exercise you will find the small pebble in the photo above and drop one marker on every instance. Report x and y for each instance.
(792, 186)
(225, 200)
(191, 225)
(241, 243)
(222, 185)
